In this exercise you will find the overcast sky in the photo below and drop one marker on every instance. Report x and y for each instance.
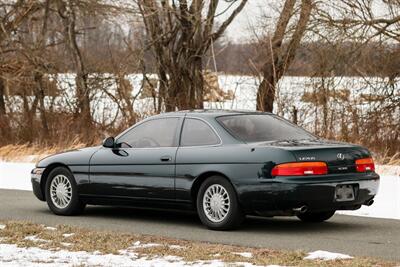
(240, 29)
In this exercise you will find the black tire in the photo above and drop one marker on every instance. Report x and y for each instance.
(315, 217)
(75, 205)
(235, 215)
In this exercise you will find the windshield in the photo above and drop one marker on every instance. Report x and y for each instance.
(259, 128)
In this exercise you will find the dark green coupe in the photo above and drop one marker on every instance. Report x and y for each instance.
(223, 164)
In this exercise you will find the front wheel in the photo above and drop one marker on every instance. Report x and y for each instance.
(62, 194)
(315, 216)
(217, 204)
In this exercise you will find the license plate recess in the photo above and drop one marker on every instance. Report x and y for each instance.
(344, 192)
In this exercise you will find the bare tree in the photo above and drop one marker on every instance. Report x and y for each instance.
(280, 56)
(12, 15)
(67, 11)
(180, 33)
(377, 22)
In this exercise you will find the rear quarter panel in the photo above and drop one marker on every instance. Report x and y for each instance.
(247, 168)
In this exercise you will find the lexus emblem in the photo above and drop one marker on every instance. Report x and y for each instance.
(340, 156)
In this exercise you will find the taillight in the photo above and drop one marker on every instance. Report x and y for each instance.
(365, 165)
(300, 169)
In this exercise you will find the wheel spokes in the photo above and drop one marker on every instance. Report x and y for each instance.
(216, 203)
(61, 191)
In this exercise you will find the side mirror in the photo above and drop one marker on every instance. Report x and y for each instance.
(109, 142)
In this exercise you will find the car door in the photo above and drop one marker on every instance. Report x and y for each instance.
(143, 167)
(199, 151)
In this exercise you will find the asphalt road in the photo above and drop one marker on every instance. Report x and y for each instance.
(346, 234)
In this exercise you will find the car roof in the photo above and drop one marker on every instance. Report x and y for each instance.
(209, 112)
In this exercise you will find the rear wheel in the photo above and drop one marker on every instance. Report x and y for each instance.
(217, 204)
(62, 194)
(316, 216)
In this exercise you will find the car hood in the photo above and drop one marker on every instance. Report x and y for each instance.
(71, 157)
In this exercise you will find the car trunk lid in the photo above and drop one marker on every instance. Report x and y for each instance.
(340, 157)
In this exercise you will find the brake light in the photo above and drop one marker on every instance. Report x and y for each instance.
(300, 169)
(365, 165)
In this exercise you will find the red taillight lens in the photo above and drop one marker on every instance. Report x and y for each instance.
(365, 165)
(300, 169)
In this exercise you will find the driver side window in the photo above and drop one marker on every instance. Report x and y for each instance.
(153, 133)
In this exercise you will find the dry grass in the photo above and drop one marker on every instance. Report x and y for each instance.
(387, 159)
(112, 242)
(34, 152)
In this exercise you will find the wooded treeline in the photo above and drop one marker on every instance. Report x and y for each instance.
(174, 44)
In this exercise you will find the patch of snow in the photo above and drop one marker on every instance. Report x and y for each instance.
(31, 158)
(326, 255)
(68, 235)
(34, 238)
(12, 255)
(2, 226)
(172, 258)
(388, 170)
(65, 244)
(137, 244)
(50, 228)
(16, 175)
(244, 254)
(176, 247)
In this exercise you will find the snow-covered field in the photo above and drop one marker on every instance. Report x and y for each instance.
(15, 175)
(244, 89)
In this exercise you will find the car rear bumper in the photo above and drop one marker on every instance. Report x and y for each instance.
(36, 176)
(283, 197)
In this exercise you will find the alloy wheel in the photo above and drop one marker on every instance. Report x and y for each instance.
(61, 191)
(216, 203)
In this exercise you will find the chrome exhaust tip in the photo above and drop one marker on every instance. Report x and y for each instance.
(369, 202)
(302, 209)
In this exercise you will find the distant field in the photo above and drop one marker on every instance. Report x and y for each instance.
(244, 88)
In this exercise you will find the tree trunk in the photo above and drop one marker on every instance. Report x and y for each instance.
(295, 115)
(324, 96)
(83, 102)
(266, 92)
(278, 61)
(67, 13)
(29, 115)
(42, 109)
(5, 131)
(2, 101)
(187, 86)
(198, 83)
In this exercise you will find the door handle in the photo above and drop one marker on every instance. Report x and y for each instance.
(165, 158)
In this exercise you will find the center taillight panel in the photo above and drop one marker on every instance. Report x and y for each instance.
(300, 169)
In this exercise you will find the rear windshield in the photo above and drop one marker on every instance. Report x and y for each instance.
(259, 128)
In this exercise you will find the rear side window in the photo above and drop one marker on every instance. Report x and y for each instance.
(198, 133)
(153, 133)
(259, 128)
